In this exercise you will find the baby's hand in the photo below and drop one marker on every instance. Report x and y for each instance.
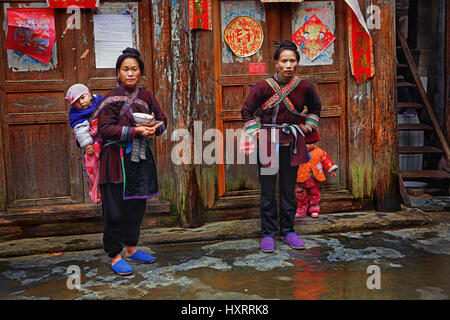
(334, 174)
(89, 150)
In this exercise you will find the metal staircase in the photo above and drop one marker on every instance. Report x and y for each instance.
(406, 69)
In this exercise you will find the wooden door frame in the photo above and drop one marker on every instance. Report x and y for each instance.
(285, 20)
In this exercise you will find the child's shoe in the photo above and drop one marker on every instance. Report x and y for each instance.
(301, 212)
(314, 211)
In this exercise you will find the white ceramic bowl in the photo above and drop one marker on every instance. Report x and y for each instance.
(142, 117)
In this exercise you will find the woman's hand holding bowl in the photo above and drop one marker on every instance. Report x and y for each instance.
(148, 128)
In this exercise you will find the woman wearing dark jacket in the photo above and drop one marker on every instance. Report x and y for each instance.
(127, 167)
(278, 101)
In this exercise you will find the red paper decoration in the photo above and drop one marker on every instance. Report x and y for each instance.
(200, 14)
(313, 37)
(31, 31)
(244, 36)
(360, 48)
(257, 68)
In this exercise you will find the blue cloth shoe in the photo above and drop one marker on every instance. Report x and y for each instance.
(122, 268)
(140, 257)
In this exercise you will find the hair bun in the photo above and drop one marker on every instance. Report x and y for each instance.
(285, 45)
(132, 51)
(288, 44)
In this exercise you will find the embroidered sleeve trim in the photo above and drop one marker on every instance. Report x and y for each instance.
(251, 126)
(127, 133)
(312, 120)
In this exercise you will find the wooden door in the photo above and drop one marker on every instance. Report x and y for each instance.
(233, 81)
(40, 162)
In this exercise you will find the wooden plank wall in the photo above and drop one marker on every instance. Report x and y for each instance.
(373, 160)
(184, 83)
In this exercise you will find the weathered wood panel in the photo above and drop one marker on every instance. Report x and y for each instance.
(241, 173)
(39, 166)
(179, 55)
(360, 124)
(385, 134)
(332, 131)
(447, 73)
(360, 138)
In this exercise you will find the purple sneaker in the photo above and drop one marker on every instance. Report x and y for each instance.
(267, 244)
(294, 241)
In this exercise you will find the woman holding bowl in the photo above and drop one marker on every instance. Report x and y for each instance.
(127, 167)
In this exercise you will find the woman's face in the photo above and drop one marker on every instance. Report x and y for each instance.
(129, 73)
(287, 63)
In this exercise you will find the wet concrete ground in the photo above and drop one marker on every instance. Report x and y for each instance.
(413, 264)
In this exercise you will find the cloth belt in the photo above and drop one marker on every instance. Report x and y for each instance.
(288, 129)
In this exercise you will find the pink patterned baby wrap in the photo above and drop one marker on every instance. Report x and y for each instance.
(92, 165)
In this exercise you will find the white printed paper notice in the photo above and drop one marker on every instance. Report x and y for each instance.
(112, 34)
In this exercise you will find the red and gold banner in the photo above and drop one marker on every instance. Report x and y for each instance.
(67, 3)
(200, 14)
(244, 36)
(360, 48)
(31, 31)
(313, 37)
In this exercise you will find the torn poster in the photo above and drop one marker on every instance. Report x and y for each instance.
(313, 37)
(200, 14)
(244, 36)
(31, 31)
(360, 43)
(67, 3)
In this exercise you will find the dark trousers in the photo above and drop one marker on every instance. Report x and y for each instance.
(288, 205)
(122, 218)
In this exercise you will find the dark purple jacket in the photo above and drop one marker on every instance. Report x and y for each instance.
(303, 95)
(113, 127)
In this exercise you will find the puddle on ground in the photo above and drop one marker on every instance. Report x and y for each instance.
(413, 264)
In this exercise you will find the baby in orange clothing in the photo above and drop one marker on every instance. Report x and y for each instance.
(309, 176)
